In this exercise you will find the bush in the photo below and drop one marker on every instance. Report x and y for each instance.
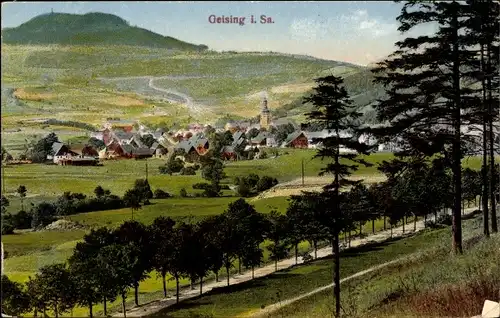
(188, 171)
(265, 183)
(224, 187)
(200, 186)
(306, 257)
(244, 190)
(172, 166)
(253, 184)
(22, 220)
(433, 225)
(75, 203)
(160, 194)
(43, 214)
(262, 155)
(7, 228)
(183, 193)
(445, 219)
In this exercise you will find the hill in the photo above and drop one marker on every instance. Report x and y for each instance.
(87, 29)
(363, 92)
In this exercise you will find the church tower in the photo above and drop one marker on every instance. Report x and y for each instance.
(264, 115)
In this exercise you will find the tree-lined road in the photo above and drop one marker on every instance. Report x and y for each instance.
(187, 293)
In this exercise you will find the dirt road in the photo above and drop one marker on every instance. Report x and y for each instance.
(295, 187)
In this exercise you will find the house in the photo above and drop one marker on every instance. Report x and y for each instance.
(98, 134)
(200, 143)
(123, 137)
(114, 150)
(79, 161)
(263, 139)
(158, 150)
(228, 153)
(60, 152)
(85, 151)
(136, 142)
(238, 135)
(296, 139)
(107, 136)
(140, 153)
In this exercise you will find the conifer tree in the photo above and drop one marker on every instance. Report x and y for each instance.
(427, 104)
(332, 109)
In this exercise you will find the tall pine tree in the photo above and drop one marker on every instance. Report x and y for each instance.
(427, 104)
(482, 34)
(332, 110)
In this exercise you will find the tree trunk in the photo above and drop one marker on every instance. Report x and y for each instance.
(164, 281)
(123, 306)
(227, 272)
(406, 219)
(456, 147)
(435, 216)
(360, 229)
(385, 226)
(55, 311)
(414, 223)
(493, 176)
(349, 238)
(105, 307)
(90, 310)
(373, 226)
(191, 281)
(253, 272)
(216, 276)
(177, 288)
(35, 312)
(296, 253)
(136, 293)
(391, 230)
(336, 275)
(403, 225)
(239, 265)
(315, 243)
(201, 285)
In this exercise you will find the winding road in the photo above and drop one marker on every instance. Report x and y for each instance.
(156, 92)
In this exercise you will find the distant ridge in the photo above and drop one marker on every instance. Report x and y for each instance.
(93, 28)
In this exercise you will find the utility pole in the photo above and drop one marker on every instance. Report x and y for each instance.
(302, 171)
(3, 180)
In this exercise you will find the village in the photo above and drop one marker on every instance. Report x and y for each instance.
(129, 139)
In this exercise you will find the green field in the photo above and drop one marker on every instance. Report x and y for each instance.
(118, 176)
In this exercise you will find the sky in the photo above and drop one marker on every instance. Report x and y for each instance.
(359, 32)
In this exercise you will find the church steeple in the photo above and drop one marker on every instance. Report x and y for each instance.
(264, 105)
(265, 114)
